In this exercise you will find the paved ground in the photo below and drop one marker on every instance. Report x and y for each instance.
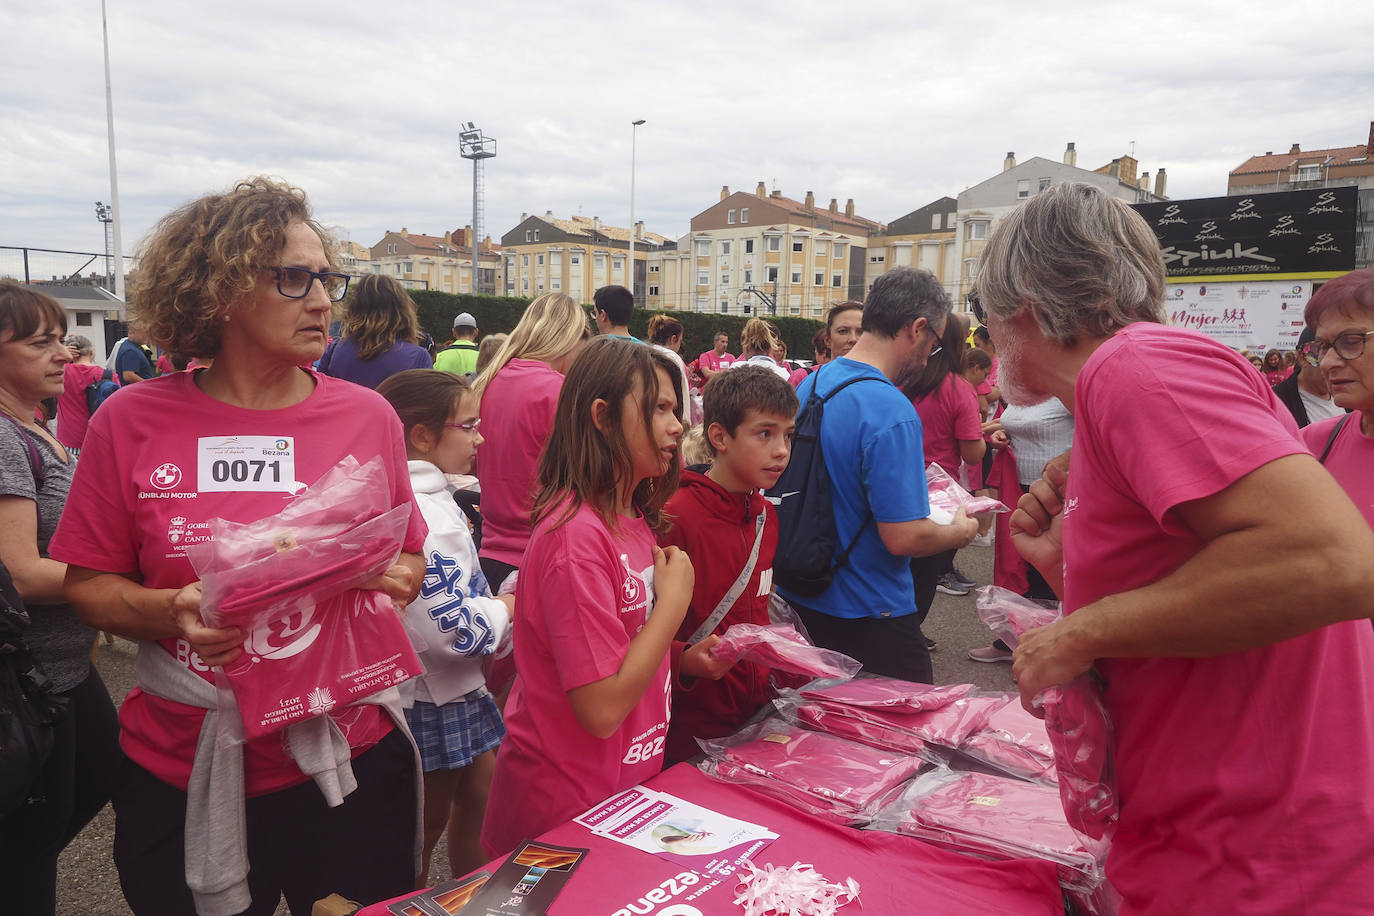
(89, 886)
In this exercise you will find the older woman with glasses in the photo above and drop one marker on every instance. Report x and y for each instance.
(244, 277)
(1341, 315)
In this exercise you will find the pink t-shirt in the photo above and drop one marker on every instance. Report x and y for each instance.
(709, 360)
(1244, 779)
(796, 377)
(517, 416)
(145, 488)
(72, 415)
(573, 625)
(948, 414)
(1351, 459)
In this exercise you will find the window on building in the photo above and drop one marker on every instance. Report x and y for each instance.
(574, 259)
(653, 268)
(748, 246)
(725, 305)
(796, 276)
(409, 266)
(529, 235)
(526, 284)
(730, 217)
(653, 290)
(725, 248)
(821, 249)
(703, 278)
(775, 243)
(1309, 172)
(772, 275)
(970, 268)
(555, 284)
(599, 262)
(1023, 189)
(839, 250)
(539, 260)
(703, 248)
(798, 245)
(820, 279)
(748, 276)
(1044, 185)
(83, 319)
(701, 304)
(524, 260)
(744, 215)
(877, 258)
(935, 220)
(835, 280)
(977, 230)
(536, 235)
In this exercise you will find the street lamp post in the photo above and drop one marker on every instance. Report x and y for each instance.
(634, 134)
(472, 145)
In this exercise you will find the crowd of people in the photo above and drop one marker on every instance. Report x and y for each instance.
(1209, 535)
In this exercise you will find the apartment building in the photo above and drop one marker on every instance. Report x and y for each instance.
(981, 206)
(1299, 169)
(576, 256)
(434, 262)
(923, 238)
(763, 253)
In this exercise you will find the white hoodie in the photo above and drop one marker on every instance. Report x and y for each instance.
(454, 622)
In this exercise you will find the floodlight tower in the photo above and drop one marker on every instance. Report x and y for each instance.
(106, 216)
(472, 145)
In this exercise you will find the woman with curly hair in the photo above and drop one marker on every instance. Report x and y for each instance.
(381, 334)
(244, 277)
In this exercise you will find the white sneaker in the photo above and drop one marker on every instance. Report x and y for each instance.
(982, 540)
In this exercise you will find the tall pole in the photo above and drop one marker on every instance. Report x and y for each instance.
(476, 184)
(634, 134)
(472, 145)
(114, 174)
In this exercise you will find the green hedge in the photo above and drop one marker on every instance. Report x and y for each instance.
(500, 314)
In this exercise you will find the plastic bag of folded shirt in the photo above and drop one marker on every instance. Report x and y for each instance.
(946, 497)
(316, 641)
(781, 646)
(889, 714)
(1076, 719)
(835, 779)
(998, 817)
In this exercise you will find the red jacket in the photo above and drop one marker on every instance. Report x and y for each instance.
(717, 528)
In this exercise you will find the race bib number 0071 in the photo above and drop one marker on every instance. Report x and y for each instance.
(245, 463)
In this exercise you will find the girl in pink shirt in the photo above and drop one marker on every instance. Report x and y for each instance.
(600, 602)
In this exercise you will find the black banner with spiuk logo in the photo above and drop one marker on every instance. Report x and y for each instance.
(1283, 232)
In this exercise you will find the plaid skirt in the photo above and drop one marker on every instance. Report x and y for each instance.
(451, 736)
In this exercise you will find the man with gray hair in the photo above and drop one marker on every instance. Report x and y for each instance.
(1212, 573)
(871, 441)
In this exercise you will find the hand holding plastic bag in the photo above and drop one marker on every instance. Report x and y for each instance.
(946, 496)
(778, 645)
(1076, 719)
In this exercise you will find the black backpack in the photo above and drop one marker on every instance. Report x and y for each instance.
(98, 391)
(806, 557)
(29, 709)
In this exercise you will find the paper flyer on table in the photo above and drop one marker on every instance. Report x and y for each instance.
(664, 825)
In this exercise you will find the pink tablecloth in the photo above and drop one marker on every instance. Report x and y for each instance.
(895, 873)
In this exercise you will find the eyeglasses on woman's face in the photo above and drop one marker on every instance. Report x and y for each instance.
(976, 305)
(295, 282)
(1348, 346)
(474, 426)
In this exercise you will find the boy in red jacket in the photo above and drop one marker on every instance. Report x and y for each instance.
(726, 527)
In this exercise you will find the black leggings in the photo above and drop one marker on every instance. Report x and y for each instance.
(297, 845)
(84, 771)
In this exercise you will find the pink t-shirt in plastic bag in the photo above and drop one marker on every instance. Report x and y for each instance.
(1015, 742)
(778, 645)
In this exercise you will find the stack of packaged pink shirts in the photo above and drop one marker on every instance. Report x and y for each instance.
(893, 714)
(290, 581)
(827, 776)
(1014, 742)
(946, 496)
(1076, 719)
(780, 646)
(995, 816)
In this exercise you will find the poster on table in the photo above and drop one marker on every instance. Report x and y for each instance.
(1277, 233)
(1255, 316)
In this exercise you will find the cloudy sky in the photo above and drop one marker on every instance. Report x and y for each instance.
(891, 103)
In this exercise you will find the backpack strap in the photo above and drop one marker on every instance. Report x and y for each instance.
(1330, 441)
(732, 594)
(35, 459)
(843, 556)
